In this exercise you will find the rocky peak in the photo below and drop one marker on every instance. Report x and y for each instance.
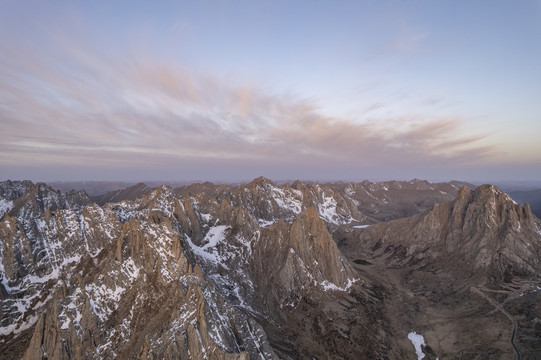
(310, 239)
(40, 197)
(262, 181)
(298, 185)
(11, 190)
(297, 259)
(420, 184)
(484, 227)
(489, 204)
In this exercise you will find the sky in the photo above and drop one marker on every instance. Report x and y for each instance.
(233, 90)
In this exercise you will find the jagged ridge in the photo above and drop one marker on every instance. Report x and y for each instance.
(483, 226)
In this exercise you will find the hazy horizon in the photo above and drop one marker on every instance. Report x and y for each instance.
(229, 91)
(515, 184)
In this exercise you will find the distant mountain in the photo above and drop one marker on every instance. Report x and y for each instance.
(98, 188)
(266, 271)
(92, 188)
(130, 193)
(338, 203)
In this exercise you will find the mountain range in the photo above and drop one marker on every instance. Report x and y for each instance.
(260, 270)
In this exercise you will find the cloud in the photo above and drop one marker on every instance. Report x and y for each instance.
(67, 104)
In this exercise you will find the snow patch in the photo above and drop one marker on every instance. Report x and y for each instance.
(5, 206)
(66, 324)
(215, 236)
(18, 328)
(103, 300)
(264, 223)
(327, 210)
(330, 286)
(289, 201)
(418, 342)
(206, 217)
(360, 226)
(130, 269)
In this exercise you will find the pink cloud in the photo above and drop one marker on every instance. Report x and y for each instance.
(71, 105)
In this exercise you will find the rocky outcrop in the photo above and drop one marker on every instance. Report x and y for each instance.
(292, 259)
(484, 227)
(12, 190)
(530, 197)
(40, 197)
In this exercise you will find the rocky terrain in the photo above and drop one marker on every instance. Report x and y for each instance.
(532, 197)
(466, 274)
(298, 271)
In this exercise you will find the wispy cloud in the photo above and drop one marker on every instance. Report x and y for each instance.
(66, 104)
